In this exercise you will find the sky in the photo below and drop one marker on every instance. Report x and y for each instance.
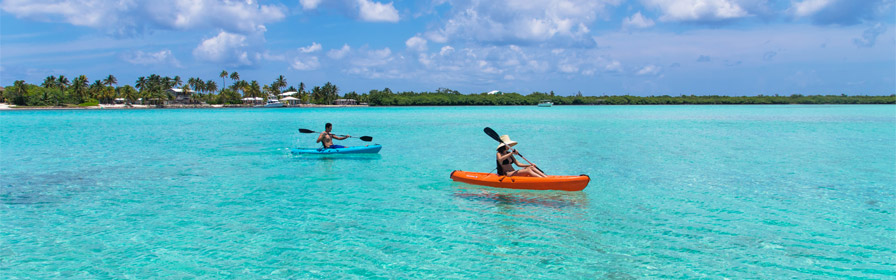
(593, 47)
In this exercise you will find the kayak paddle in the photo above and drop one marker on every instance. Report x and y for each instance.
(363, 138)
(494, 135)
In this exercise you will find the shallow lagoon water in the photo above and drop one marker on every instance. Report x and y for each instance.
(677, 191)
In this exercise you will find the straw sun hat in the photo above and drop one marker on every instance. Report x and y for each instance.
(506, 140)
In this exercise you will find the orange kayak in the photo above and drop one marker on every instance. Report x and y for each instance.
(562, 183)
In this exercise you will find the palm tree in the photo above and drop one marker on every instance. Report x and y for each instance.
(18, 92)
(185, 89)
(317, 95)
(79, 88)
(96, 90)
(140, 84)
(211, 86)
(108, 93)
(235, 76)
(49, 82)
(177, 82)
(198, 86)
(111, 80)
(267, 90)
(243, 86)
(254, 89)
(331, 92)
(63, 82)
(168, 83)
(223, 75)
(302, 95)
(128, 93)
(280, 83)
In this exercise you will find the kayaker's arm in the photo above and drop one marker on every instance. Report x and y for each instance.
(503, 157)
(518, 162)
(340, 138)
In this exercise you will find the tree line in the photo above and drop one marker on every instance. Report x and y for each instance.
(154, 89)
(447, 97)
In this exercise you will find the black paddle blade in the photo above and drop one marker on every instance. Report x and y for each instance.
(366, 138)
(491, 133)
(302, 130)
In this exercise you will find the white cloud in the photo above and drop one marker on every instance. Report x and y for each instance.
(637, 21)
(373, 11)
(312, 48)
(698, 10)
(149, 58)
(340, 53)
(522, 22)
(273, 57)
(809, 7)
(224, 48)
(304, 60)
(614, 66)
(364, 10)
(416, 43)
(843, 12)
(309, 4)
(446, 50)
(129, 18)
(305, 63)
(649, 70)
(424, 59)
(568, 68)
(373, 58)
(382, 64)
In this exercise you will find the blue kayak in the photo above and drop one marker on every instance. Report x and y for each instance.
(370, 149)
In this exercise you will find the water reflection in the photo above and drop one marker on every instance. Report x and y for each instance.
(501, 197)
(333, 157)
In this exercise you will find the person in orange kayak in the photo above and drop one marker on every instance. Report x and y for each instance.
(326, 138)
(505, 160)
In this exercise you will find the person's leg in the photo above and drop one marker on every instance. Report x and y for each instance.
(540, 174)
(534, 172)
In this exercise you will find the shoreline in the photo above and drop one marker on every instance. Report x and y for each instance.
(5, 106)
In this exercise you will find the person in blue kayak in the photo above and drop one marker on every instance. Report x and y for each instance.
(326, 138)
(506, 160)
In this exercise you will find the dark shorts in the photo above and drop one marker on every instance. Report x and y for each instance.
(336, 147)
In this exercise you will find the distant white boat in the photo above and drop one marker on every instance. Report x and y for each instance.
(272, 103)
(545, 103)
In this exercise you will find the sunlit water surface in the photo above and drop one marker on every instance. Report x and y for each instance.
(801, 192)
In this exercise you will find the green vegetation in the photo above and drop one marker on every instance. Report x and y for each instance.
(449, 97)
(157, 90)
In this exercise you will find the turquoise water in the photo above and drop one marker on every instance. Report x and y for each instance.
(677, 191)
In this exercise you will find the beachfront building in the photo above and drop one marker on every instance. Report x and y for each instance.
(181, 96)
(290, 101)
(345, 102)
(253, 100)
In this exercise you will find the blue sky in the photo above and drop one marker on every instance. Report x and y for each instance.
(642, 47)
